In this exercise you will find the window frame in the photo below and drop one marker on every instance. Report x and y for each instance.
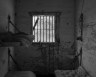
(46, 29)
(57, 25)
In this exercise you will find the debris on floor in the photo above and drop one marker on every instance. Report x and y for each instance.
(80, 72)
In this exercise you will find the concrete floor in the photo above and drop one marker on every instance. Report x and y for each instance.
(50, 75)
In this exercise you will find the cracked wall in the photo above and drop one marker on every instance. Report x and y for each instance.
(89, 34)
(6, 8)
(27, 57)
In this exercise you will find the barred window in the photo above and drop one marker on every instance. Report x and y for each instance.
(44, 28)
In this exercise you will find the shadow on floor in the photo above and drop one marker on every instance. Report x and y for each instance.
(49, 75)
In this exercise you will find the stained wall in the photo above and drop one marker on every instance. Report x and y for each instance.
(6, 8)
(32, 58)
(89, 34)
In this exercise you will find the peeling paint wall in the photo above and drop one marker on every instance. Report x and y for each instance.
(31, 58)
(89, 34)
(6, 8)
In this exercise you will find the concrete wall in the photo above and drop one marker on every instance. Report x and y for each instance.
(29, 58)
(89, 34)
(6, 8)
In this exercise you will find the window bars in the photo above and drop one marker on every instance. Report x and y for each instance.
(44, 28)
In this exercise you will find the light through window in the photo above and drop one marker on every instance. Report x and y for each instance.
(43, 28)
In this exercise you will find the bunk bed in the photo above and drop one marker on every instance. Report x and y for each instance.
(15, 39)
(10, 39)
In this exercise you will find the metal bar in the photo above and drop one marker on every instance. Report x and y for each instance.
(34, 29)
(40, 28)
(52, 28)
(49, 28)
(14, 26)
(10, 56)
(31, 27)
(46, 28)
(15, 62)
(8, 59)
(35, 23)
(37, 28)
(43, 28)
(10, 22)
